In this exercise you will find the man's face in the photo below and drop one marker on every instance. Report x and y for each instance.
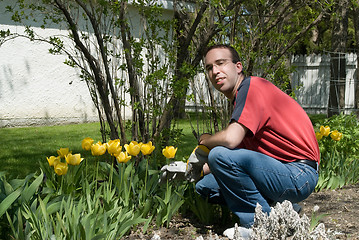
(222, 72)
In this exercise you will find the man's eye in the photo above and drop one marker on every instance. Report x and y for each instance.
(209, 68)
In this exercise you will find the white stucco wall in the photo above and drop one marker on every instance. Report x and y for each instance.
(36, 87)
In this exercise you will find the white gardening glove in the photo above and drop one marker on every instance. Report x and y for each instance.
(173, 171)
(195, 163)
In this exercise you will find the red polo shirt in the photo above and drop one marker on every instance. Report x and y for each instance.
(278, 126)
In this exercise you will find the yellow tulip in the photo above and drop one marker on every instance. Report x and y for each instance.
(73, 159)
(133, 148)
(63, 152)
(98, 149)
(169, 152)
(86, 143)
(147, 148)
(53, 160)
(318, 135)
(61, 168)
(335, 135)
(114, 147)
(325, 130)
(123, 157)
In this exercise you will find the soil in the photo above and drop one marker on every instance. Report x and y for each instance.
(339, 208)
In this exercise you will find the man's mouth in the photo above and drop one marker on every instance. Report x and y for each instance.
(220, 81)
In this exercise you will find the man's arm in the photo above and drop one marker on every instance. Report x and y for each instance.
(230, 137)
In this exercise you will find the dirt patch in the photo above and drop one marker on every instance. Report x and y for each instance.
(341, 207)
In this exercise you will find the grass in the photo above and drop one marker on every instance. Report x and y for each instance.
(21, 149)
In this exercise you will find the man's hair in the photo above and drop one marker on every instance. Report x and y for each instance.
(234, 53)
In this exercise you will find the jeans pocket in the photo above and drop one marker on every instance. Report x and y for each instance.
(303, 182)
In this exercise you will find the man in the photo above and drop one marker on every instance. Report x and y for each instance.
(268, 153)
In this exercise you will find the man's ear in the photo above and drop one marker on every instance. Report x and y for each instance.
(239, 67)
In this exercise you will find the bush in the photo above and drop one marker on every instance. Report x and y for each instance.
(338, 139)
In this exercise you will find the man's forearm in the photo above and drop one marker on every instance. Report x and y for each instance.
(230, 137)
(211, 141)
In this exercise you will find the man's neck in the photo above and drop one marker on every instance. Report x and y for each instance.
(238, 83)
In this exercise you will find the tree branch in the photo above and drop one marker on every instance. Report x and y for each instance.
(100, 42)
(94, 66)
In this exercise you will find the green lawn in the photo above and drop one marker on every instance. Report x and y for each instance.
(22, 148)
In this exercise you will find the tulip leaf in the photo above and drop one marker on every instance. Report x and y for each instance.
(7, 187)
(44, 210)
(342, 182)
(128, 171)
(16, 183)
(101, 236)
(54, 207)
(82, 231)
(30, 191)
(10, 199)
(2, 174)
(151, 172)
(173, 209)
(125, 226)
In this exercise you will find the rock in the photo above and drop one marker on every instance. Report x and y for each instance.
(156, 237)
(285, 223)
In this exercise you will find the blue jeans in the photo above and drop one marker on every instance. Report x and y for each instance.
(242, 178)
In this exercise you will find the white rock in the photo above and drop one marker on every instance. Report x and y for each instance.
(156, 237)
(285, 223)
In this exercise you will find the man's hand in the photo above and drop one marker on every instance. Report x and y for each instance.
(203, 137)
(195, 163)
(191, 171)
(173, 171)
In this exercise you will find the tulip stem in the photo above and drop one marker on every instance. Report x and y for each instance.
(111, 174)
(146, 174)
(61, 185)
(121, 174)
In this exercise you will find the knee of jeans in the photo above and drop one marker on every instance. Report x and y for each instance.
(215, 155)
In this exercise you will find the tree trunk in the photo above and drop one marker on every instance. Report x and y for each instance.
(94, 64)
(137, 112)
(105, 62)
(336, 101)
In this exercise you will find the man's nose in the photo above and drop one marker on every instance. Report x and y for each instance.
(216, 69)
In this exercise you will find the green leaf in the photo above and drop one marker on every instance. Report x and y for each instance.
(82, 231)
(151, 172)
(44, 210)
(10, 199)
(147, 207)
(7, 187)
(54, 207)
(126, 226)
(173, 210)
(30, 191)
(315, 220)
(99, 237)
